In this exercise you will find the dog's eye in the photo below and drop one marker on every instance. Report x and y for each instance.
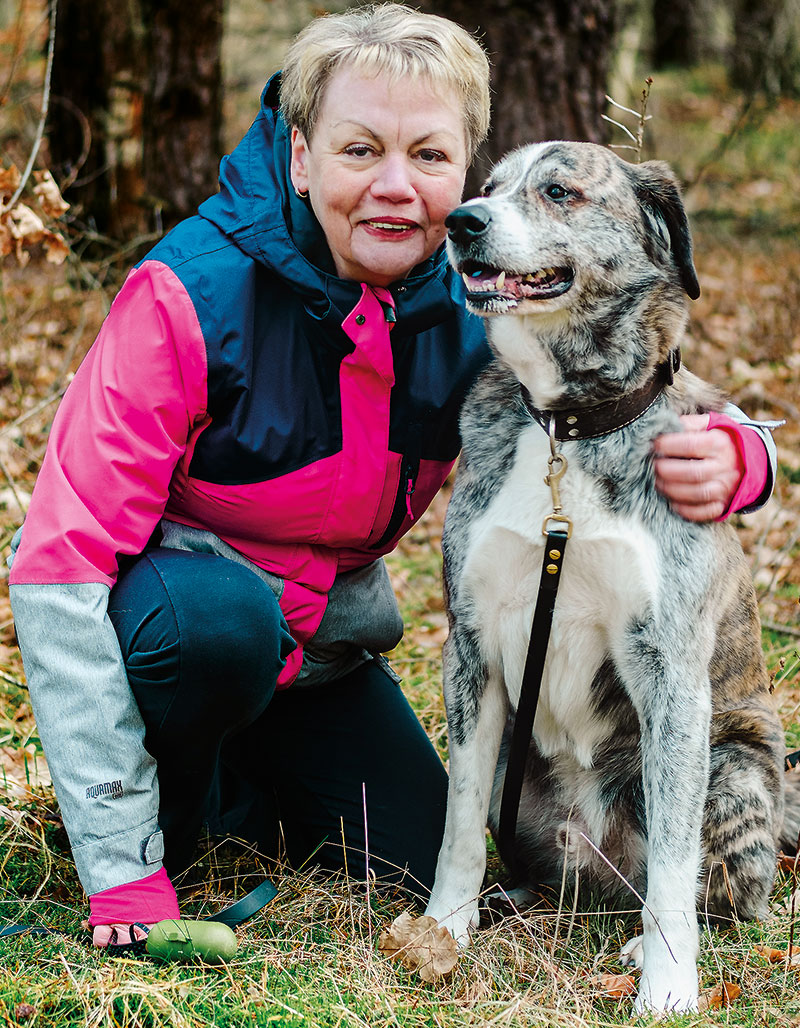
(556, 192)
(487, 188)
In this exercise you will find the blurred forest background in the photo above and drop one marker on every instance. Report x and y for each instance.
(124, 109)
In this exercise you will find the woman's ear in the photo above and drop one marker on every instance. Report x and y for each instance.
(298, 170)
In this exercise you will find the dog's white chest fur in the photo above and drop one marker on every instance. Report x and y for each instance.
(610, 574)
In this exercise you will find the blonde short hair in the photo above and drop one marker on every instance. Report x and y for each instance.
(389, 39)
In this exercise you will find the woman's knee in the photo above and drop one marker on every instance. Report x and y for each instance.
(201, 623)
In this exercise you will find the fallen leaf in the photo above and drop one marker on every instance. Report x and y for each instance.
(787, 863)
(616, 986)
(49, 195)
(720, 996)
(25, 224)
(55, 247)
(420, 944)
(24, 1011)
(9, 180)
(778, 956)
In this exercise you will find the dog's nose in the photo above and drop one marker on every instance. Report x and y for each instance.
(468, 222)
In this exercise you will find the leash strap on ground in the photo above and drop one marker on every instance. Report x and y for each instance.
(555, 547)
(233, 915)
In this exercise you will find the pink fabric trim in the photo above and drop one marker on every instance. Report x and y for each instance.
(753, 461)
(117, 436)
(298, 526)
(149, 900)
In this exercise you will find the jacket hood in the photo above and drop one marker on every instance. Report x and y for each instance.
(258, 210)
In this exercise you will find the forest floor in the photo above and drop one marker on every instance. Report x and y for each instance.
(311, 958)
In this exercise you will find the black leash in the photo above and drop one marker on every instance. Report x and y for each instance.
(555, 547)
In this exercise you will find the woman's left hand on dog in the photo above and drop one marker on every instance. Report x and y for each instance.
(698, 470)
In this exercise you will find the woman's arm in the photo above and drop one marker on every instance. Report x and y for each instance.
(116, 439)
(719, 464)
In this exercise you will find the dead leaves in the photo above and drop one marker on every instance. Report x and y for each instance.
(421, 944)
(780, 956)
(616, 986)
(621, 986)
(720, 996)
(21, 227)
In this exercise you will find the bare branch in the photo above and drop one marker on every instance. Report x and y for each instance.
(619, 124)
(642, 118)
(43, 117)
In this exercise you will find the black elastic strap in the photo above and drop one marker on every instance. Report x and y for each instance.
(554, 549)
(242, 910)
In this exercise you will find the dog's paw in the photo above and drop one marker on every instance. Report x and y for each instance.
(458, 922)
(677, 994)
(632, 953)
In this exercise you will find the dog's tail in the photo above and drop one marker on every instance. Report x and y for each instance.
(790, 834)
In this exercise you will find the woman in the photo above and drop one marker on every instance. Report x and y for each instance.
(269, 406)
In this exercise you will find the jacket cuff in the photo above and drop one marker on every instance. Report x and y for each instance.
(753, 462)
(149, 900)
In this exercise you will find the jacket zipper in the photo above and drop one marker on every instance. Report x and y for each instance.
(402, 501)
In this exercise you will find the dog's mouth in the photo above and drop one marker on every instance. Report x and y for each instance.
(486, 285)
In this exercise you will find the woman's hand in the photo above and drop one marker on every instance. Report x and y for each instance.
(697, 470)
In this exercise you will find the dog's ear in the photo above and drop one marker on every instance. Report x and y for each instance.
(662, 208)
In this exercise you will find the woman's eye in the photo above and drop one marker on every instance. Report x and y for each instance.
(358, 150)
(432, 156)
(556, 192)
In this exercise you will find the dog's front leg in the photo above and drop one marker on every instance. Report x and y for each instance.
(477, 706)
(673, 701)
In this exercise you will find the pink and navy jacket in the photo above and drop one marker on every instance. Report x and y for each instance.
(245, 398)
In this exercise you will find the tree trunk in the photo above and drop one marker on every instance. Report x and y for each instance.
(550, 63)
(143, 81)
(182, 104)
(675, 33)
(93, 80)
(765, 56)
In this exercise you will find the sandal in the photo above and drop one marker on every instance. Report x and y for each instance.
(134, 948)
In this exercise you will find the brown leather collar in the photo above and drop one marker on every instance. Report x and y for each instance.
(604, 418)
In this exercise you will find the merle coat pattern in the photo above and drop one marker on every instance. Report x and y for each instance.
(655, 739)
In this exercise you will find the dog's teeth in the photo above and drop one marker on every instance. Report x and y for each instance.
(465, 276)
(501, 280)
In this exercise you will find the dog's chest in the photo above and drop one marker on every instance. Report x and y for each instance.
(610, 575)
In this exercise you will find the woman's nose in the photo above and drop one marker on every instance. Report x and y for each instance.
(394, 179)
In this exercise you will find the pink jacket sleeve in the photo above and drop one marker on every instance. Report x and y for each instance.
(118, 434)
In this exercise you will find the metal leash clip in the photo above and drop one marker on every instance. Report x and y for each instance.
(557, 465)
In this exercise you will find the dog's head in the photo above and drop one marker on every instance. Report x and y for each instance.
(589, 246)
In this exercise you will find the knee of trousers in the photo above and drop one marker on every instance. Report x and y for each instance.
(202, 626)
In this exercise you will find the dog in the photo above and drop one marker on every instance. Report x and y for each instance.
(657, 758)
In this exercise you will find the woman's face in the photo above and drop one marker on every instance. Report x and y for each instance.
(385, 167)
